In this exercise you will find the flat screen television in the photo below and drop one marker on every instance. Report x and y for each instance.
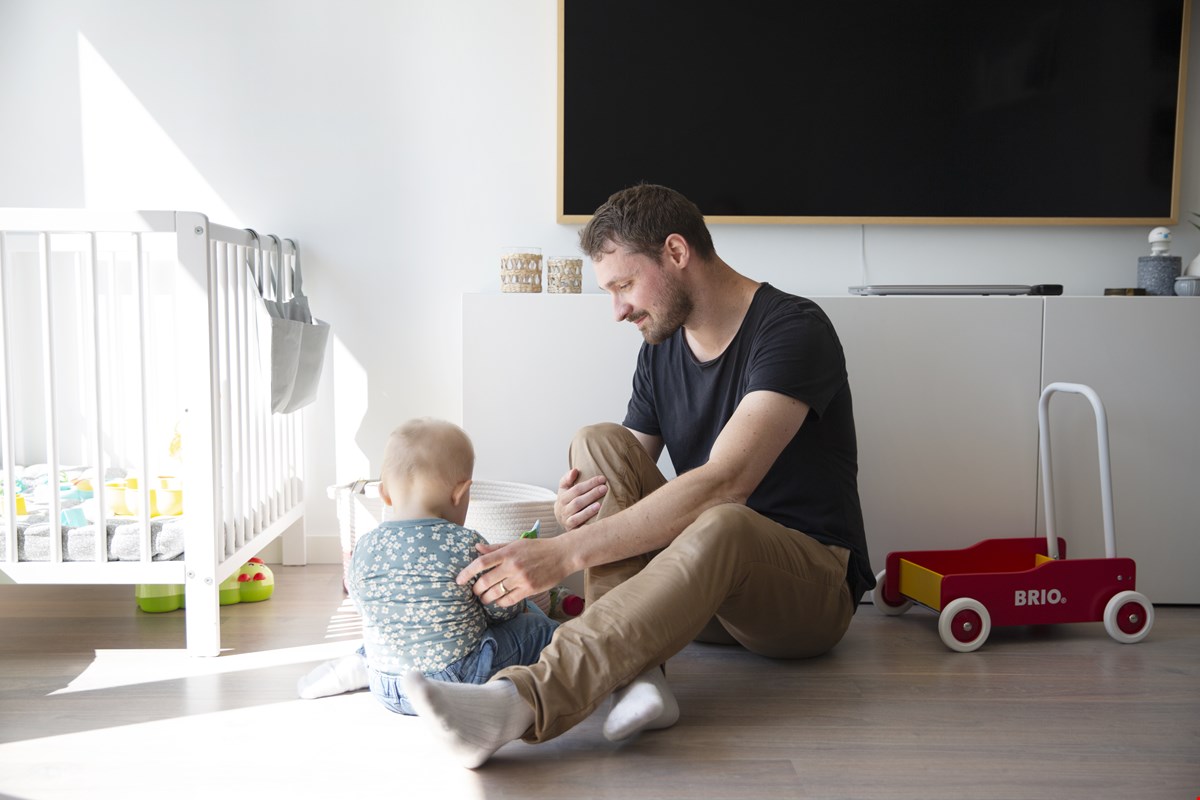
(889, 111)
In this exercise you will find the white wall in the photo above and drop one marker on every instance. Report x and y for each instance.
(402, 143)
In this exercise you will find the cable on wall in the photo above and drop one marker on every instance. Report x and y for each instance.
(862, 254)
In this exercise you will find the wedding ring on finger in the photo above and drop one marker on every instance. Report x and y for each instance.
(503, 590)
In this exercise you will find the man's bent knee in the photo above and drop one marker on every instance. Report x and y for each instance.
(600, 431)
(711, 530)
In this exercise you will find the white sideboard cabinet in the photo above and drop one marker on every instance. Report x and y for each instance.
(1142, 356)
(945, 405)
(945, 393)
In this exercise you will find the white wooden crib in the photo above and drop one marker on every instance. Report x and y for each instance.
(132, 354)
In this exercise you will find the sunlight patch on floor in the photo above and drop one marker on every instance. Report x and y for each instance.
(113, 668)
(345, 742)
(345, 622)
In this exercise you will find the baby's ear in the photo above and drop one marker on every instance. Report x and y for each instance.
(384, 494)
(461, 492)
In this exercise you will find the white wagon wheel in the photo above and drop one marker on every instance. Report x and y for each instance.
(1128, 617)
(881, 602)
(964, 624)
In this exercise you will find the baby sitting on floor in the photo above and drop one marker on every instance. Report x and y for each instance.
(402, 580)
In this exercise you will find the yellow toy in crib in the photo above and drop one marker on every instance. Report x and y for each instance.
(166, 499)
(114, 499)
(19, 488)
(175, 448)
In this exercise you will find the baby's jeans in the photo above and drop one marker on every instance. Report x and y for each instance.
(513, 642)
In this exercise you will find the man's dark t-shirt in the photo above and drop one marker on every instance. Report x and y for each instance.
(786, 344)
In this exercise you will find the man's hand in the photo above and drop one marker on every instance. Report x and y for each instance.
(578, 501)
(508, 573)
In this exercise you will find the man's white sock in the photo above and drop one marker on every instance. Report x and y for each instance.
(646, 704)
(472, 720)
(345, 674)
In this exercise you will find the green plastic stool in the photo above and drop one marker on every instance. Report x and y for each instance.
(253, 583)
(156, 598)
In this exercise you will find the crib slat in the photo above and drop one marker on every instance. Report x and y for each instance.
(261, 417)
(7, 428)
(257, 478)
(99, 385)
(242, 411)
(143, 317)
(241, 452)
(254, 420)
(225, 442)
(199, 259)
(49, 395)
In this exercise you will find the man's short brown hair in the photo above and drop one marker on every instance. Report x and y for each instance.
(641, 218)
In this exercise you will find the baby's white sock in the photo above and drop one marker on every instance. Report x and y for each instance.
(646, 704)
(344, 674)
(472, 720)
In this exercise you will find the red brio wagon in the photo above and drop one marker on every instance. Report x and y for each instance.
(1026, 581)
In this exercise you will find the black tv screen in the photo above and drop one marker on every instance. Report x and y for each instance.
(940, 111)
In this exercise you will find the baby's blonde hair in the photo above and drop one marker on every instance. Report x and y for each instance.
(428, 447)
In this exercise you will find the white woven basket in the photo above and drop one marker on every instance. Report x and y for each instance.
(359, 509)
(501, 511)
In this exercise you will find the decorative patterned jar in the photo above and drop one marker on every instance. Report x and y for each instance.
(564, 275)
(521, 269)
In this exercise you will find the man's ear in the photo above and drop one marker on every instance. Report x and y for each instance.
(676, 251)
(460, 492)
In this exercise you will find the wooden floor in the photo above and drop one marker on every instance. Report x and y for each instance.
(98, 700)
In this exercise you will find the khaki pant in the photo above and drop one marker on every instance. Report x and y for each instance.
(732, 576)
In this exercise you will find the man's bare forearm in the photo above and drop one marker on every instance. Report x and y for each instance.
(747, 447)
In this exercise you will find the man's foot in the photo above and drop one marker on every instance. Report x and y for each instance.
(345, 674)
(646, 704)
(472, 721)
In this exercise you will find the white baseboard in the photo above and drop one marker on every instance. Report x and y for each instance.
(321, 550)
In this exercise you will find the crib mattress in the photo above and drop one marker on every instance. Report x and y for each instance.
(79, 542)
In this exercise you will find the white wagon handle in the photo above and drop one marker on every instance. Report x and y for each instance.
(1106, 494)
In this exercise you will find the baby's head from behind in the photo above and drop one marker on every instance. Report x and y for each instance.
(428, 460)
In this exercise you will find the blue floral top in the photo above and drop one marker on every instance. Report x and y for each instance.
(414, 615)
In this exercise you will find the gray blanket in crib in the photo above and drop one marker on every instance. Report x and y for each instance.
(79, 543)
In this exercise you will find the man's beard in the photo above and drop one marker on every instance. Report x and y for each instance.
(677, 307)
